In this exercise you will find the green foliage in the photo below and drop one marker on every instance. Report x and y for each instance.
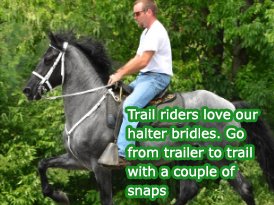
(223, 46)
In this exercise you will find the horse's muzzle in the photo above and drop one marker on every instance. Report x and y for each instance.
(29, 94)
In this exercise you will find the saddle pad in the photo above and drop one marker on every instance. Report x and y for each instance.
(177, 101)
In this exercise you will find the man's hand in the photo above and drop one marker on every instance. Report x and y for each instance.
(114, 78)
(134, 65)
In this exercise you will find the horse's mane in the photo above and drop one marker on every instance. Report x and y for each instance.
(93, 50)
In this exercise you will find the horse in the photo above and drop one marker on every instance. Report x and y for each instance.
(82, 67)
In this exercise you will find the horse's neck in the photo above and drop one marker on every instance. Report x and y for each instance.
(79, 76)
(79, 73)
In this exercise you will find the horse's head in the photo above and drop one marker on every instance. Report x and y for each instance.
(49, 72)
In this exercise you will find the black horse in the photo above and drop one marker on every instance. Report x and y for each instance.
(79, 65)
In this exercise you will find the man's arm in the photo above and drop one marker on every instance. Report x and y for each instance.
(132, 66)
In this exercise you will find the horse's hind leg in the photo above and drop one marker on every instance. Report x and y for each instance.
(188, 190)
(62, 161)
(243, 187)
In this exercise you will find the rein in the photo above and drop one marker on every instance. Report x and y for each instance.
(77, 93)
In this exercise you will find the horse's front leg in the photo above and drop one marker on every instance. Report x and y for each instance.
(63, 161)
(103, 179)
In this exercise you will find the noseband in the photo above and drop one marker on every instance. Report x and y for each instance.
(61, 57)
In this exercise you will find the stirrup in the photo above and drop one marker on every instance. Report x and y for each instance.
(110, 156)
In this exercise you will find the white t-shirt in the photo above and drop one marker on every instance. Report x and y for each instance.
(156, 39)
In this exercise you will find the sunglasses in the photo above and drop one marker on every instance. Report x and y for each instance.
(138, 13)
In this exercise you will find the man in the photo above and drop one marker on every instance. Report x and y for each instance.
(153, 61)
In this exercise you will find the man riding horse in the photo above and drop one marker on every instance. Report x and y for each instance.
(153, 60)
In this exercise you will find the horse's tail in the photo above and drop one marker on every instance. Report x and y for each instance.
(260, 135)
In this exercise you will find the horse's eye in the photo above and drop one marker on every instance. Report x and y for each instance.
(49, 59)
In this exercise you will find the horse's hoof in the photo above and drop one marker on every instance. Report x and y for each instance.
(60, 197)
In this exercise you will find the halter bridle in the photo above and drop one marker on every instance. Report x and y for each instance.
(61, 57)
(46, 78)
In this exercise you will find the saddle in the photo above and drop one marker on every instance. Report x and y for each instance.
(114, 117)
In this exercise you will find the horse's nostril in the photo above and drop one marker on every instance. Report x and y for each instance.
(26, 91)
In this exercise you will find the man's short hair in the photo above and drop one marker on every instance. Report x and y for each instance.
(148, 4)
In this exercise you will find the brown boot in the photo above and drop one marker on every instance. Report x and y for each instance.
(123, 162)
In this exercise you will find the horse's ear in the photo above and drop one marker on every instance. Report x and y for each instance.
(52, 38)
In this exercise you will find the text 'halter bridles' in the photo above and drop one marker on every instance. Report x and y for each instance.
(61, 57)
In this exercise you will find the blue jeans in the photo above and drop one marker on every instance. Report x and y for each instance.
(145, 87)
